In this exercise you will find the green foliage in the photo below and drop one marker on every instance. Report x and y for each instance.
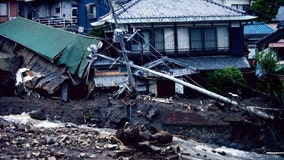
(226, 80)
(97, 32)
(269, 81)
(268, 61)
(266, 10)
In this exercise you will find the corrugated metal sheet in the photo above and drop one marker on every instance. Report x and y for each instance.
(109, 81)
(50, 42)
(42, 39)
(156, 11)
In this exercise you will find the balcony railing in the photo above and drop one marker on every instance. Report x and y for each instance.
(58, 22)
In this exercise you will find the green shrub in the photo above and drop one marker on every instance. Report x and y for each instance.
(226, 80)
(97, 32)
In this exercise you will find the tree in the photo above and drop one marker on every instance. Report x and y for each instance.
(226, 80)
(268, 71)
(266, 10)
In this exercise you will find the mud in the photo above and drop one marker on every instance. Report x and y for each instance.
(198, 119)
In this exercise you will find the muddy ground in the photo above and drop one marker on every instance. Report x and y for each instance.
(202, 119)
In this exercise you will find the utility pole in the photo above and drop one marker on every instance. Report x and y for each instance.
(249, 109)
(119, 38)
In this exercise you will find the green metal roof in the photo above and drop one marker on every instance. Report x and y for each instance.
(50, 42)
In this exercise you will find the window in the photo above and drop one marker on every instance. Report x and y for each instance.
(57, 10)
(146, 39)
(3, 9)
(223, 38)
(183, 39)
(136, 43)
(159, 40)
(209, 39)
(141, 41)
(241, 7)
(187, 39)
(91, 11)
(169, 39)
(196, 39)
(74, 9)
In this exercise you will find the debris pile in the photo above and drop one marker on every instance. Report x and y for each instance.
(25, 141)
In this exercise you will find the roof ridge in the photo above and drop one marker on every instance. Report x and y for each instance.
(126, 6)
(223, 5)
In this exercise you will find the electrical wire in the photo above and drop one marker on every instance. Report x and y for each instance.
(161, 55)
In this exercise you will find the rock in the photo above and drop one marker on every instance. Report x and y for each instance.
(29, 155)
(222, 153)
(152, 113)
(163, 137)
(49, 140)
(51, 158)
(146, 135)
(39, 115)
(155, 149)
(110, 146)
(144, 144)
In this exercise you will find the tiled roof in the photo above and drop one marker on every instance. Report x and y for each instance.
(151, 11)
(257, 28)
(196, 64)
(215, 62)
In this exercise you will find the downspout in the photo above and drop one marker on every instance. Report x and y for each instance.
(9, 11)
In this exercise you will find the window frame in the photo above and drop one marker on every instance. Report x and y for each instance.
(2, 4)
(185, 39)
(91, 11)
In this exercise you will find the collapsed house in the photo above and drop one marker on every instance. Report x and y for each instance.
(53, 57)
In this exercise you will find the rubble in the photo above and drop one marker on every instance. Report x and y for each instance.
(141, 137)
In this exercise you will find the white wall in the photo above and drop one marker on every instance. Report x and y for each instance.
(230, 2)
(65, 8)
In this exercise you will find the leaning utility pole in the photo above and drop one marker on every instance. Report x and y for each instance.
(249, 109)
(119, 38)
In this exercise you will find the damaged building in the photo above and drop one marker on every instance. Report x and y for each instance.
(55, 60)
(160, 41)
(197, 37)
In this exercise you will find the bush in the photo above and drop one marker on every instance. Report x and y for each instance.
(226, 80)
(97, 32)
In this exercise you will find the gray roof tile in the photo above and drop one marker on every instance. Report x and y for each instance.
(215, 62)
(143, 11)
